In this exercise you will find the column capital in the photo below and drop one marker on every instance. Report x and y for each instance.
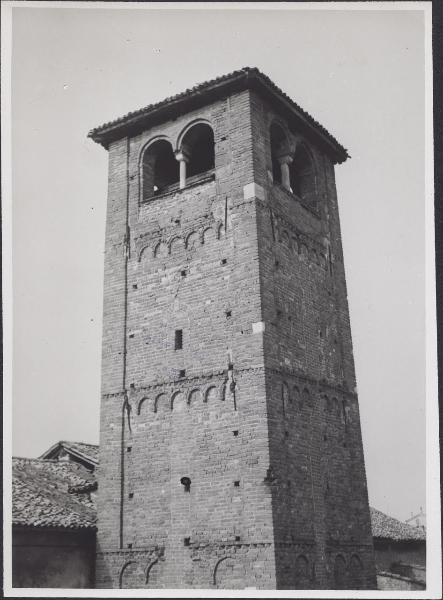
(285, 159)
(183, 155)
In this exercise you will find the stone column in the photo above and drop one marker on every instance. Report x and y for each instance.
(183, 157)
(284, 161)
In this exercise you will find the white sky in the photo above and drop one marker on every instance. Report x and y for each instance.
(360, 73)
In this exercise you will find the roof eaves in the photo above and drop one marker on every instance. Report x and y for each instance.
(201, 93)
(133, 121)
(80, 454)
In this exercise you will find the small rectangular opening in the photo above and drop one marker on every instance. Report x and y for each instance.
(178, 339)
(235, 432)
(182, 373)
(224, 261)
(131, 335)
(236, 484)
(134, 286)
(237, 538)
(228, 314)
(129, 449)
(129, 545)
(183, 273)
(187, 541)
(131, 495)
(132, 386)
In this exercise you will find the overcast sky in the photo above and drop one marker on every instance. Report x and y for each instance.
(360, 73)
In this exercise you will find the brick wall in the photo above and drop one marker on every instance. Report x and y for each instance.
(257, 408)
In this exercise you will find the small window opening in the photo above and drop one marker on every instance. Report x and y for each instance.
(134, 286)
(186, 483)
(183, 273)
(131, 495)
(237, 538)
(278, 148)
(132, 386)
(187, 541)
(178, 339)
(182, 373)
(129, 545)
(235, 432)
(302, 176)
(230, 366)
(236, 484)
(228, 314)
(129, 449)
(160, 169)
(131, 335)
(224, 261)
(199, 144)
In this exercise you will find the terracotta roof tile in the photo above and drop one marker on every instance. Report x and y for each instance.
(386, 527)
(48, 493)
(117, 128)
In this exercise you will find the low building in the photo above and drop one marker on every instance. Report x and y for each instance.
(54, 516)
(400, 553)
(79, 452)
(53, 524)
(418, 520)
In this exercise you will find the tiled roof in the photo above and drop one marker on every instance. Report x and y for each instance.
(50, 493)
(203, 93)
(385, 527)
(88, 451)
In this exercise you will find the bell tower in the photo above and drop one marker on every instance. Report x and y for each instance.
(230, 445)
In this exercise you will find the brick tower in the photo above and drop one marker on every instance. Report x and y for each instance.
(230, 447)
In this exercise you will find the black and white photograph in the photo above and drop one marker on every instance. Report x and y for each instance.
(219, 326)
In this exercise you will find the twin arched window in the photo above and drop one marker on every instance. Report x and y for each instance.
(293, 170)
(163, 170)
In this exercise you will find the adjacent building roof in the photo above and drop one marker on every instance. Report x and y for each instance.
(209, 91)
(51, 493)
(77, 451)
(388, 528)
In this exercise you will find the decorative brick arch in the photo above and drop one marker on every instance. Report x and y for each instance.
(123, 571)
(211, 390)
(140, 404)
(161, 249)
(340, 572)
(178, 395)
(208, 233)
(153, 566)
(188, 128)
(194, 394)
(145, 251)
(192, 240)
(356, 573)
(163, 398)
(175, 242)
(227, 570)
(301, 572)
